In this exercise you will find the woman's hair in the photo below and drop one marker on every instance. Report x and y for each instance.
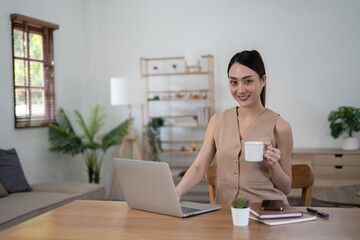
(251, 59)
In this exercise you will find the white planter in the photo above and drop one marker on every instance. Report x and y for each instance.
(240, 216)
(350, 143)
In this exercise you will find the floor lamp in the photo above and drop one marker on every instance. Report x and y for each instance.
(127, 91)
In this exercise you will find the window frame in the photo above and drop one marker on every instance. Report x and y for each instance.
(31, 25)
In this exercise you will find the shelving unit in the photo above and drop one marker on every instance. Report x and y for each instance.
(183, 97)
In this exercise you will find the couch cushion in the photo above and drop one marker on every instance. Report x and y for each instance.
(18, 207)
(3, 192)
(11, 173)
(86, 191)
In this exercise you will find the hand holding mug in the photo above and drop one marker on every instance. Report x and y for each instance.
(272, 155)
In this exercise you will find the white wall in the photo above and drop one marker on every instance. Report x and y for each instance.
(310, 49)
(32, 144)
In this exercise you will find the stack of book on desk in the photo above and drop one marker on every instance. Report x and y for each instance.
(288, 215)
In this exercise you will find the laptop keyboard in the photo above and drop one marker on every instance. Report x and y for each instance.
(187, 210)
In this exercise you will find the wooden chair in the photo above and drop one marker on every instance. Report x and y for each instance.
(302, 177)
(210, 179)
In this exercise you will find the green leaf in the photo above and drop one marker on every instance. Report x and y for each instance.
(63, 121)
(345, 119)
(63, 137)
(115, 135)
(336, 129)
(95, 123)
(63, 140)
(83, 125)
(96, 120)
(240, 202)
(153, 132)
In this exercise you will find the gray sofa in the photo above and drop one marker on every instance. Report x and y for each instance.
(20, 206)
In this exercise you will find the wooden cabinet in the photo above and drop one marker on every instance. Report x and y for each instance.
(332, 167)
(183, 96)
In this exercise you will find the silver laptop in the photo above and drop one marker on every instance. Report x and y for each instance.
(149, 186)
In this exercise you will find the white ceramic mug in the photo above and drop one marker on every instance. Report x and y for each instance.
(254, 151)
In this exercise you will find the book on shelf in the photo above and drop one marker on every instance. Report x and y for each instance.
(288, 212)
(279, 221)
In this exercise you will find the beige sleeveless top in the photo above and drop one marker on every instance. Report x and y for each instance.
(234, 175)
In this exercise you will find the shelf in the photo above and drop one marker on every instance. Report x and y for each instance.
(185, 99)
(185, 126)
(174, 74)
(177, 152)
(181, 141)
(182, 126)
(182, 91)
(183, 96)
(170, 58)
(178, 116)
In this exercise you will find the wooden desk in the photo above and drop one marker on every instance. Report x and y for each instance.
(345, 195)
(114, 220)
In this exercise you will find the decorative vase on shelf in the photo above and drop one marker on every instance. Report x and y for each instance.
(350, 143)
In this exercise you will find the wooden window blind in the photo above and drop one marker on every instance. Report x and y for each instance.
(33, 71)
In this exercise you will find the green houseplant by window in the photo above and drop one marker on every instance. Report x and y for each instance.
(240, 211)
(346, 120)
(63, 138)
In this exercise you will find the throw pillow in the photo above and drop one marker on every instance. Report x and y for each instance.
(3, 192)
(11, 173)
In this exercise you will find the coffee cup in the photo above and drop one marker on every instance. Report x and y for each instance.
(254, 151)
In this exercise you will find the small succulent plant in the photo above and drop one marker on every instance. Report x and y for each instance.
(240, 202)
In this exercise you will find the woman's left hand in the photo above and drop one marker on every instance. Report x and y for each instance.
(272, 155)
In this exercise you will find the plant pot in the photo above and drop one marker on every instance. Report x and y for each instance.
(240, 216)
(350, 143)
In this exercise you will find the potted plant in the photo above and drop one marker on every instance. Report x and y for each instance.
(63, 138)
(345, 120)
(240, 211)
(153, 132)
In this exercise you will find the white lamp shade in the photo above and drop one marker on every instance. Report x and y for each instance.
(125, 91)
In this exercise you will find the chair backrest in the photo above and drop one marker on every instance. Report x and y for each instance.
(210, 179)
(302, 177)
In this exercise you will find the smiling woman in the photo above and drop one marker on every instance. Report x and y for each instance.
(33, 71)
(228, 132)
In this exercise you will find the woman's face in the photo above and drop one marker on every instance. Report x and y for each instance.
(245, 85)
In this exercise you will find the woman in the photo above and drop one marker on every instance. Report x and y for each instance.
(227, 131)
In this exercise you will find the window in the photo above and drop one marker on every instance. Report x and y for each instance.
(33, 71)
